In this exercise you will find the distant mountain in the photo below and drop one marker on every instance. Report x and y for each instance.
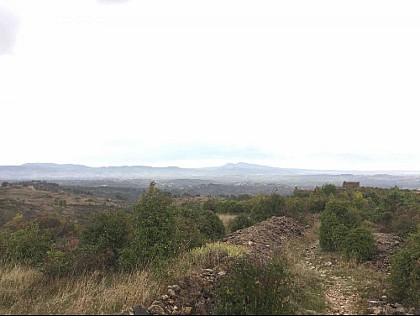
(240, 171)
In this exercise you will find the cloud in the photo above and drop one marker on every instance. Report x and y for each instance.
(9, 24)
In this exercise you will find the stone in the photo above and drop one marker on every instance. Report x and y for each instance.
(328, 264)
(171, 293)
(165, 297)
(176, 288)
(187, 310)
(374, 303)
(383, 298)
(156, 310)
(140, 310)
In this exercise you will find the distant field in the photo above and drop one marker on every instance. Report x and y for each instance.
(32, 203)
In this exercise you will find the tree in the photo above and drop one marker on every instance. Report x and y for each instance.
(154, 235)
(329, 188)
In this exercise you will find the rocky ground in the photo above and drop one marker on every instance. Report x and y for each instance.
(194, 294)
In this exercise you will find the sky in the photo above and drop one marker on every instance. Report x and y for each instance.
(303, 84)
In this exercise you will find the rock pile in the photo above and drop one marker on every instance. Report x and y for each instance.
(265, 237)
(381, 307)
(194, 294)
(387, 245)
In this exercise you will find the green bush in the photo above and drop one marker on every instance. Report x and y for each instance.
(103, 239)
(359, 244)
(188, 229)
(405, 224)
(340, 231)
(251, 288)
(27, 246)
(405, 272)
(154, 235)
(211, 226)
(266, 206)
(240, 222)
(344, 213)
(329, 231)
(329, 188)
(56, 262)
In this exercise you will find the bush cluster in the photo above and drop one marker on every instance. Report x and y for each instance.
(405, 272)
(341, 231)
(253, 288)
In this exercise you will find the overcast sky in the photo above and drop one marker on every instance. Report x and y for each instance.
(307, 84)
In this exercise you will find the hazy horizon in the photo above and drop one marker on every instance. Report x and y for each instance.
(321, 85)
(231, 163)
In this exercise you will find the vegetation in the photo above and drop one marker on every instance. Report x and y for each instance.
(405, 272)
(107, 252)
(252, 288)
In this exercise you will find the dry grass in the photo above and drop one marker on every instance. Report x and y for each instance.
(226, 219)
(24, 290)
(309, 297)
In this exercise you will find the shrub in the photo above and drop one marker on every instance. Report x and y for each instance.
(265, 207)
(359, 244)
(346, 215)
(405, 224)
(316, 202)
(329, 188)
(188, 232)
(329, 230)
(211, 226)
(103, 239)
(230, 207)
(56, 262)
(252, 288)
(154, 235)
(405, 272)
(27, 246)
(240, 222)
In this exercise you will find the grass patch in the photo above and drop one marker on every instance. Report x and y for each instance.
(25, 290)
(226, 219)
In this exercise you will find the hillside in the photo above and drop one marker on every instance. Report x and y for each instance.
(53, 200)
(334, 250)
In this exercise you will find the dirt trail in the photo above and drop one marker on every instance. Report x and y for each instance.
(340, 293)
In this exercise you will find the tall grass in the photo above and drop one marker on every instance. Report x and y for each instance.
(24, 290)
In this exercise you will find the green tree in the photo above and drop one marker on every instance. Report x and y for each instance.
(154, 235)
(329, 188)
